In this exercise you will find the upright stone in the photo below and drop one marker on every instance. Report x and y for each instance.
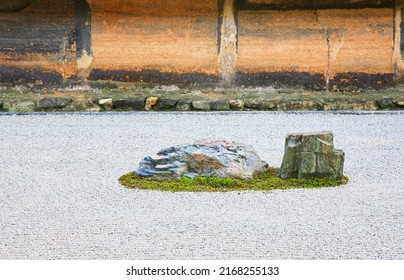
(312, 155)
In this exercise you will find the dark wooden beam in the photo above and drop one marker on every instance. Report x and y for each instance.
(83, 36)
(83, 27)
(401, 33)
(227, 40)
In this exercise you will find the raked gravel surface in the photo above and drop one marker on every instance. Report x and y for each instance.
(60, 198)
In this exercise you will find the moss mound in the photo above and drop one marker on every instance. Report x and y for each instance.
(264, 182)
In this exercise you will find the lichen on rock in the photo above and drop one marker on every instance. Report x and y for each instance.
(312, 155)
(207, 158)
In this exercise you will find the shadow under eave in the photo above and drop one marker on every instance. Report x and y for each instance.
(154, 76)
(341, 81)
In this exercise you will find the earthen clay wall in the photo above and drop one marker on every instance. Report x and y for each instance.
(38, 39)
(255, 42)
(326, 42)
(166, 36)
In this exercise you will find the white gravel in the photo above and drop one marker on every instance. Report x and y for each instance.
(60, 199)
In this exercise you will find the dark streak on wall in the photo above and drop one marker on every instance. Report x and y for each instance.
(83, 27)
(25, 34)
(401, 34)
(346, 81)
(278, 79)
(314, 4)
(220, 8)
(15, 75)
(236, 9)
(153, 76)
(362, 80)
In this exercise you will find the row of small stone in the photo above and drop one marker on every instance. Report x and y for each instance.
(171, 104)
(163, 104)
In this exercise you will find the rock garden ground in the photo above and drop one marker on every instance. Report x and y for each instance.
(61, 199)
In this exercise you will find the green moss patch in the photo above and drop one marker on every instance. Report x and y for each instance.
(264, 182)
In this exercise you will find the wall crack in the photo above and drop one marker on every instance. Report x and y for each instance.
(328, 42)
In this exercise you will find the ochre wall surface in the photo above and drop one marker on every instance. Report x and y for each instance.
(281, 41)
(325, 42)
(261, 42)
(168, 36)
(38, 39)
(360, 40)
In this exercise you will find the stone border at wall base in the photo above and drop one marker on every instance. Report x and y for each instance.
(111, 97)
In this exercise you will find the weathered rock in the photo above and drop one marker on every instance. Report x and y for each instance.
(312, 155)
(50, 103)
(343, 105)
(105, 101)
(184, 105)
(236, 104)
(400, 103)
(369, 105)
(208, 158)
(220, 105)
(105, 104)
(166, 104)
(385, 103)
(150, 102)
(7, 106)
(293, 105)
(136, 104)
(25, 106)
(261, 104)
(202, 105)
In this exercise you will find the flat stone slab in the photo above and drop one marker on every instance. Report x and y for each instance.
(207, 158)
(50, 103)
(202, 105)
(166, 104)
(220, 105)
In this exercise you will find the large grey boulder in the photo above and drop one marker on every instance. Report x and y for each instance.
(208, 158)
(312, 155)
